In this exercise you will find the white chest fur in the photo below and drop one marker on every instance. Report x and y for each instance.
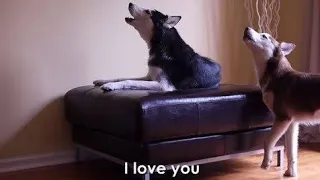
(154, 72)
(268, 100)
(157, 74)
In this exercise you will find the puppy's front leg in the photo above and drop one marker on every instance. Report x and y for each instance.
(291, 139)
(279, 127)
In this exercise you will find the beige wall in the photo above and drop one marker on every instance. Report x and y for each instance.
(295, 27)
(50, 46)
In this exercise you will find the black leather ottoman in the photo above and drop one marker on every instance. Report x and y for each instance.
(191, 126)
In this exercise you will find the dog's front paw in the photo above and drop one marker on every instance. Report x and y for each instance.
(291, 172)
(100, 82)
(111, 86)
(266, 163)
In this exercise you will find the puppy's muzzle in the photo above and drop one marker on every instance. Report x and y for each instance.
(247, 34)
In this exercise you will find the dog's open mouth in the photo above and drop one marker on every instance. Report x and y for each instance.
(129, 19)
(130, 8)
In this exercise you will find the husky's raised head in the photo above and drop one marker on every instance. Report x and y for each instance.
(147, 22)
(264, 47)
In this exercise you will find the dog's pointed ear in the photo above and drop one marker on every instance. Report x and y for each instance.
(286, 48)
(172, 21)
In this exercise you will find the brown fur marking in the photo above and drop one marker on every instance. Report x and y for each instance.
(288, 92)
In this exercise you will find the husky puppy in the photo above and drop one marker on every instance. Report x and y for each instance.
(172, 63)
(292, 96)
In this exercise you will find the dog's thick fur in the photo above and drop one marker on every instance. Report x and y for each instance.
(173, 64)
(292, 96)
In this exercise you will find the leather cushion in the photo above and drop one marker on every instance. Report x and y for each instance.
(147, 116)
(170, 152)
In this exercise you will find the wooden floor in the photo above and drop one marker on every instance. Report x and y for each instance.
(242, 169)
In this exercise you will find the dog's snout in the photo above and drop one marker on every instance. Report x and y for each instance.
(130, 5)
(247, 29)
(247, 35)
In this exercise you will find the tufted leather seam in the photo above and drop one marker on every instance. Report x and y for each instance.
(227, 98)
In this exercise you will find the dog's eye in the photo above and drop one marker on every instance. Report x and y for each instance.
(264, 36)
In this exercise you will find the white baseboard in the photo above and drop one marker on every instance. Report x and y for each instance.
(36, 161)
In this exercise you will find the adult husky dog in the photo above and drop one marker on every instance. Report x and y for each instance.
(172, 63)
(291, 95)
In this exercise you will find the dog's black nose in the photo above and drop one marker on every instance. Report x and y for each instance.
(130, 5)
(247, 29)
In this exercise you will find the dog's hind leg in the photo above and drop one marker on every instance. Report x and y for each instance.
(291, 145)
(279, 127)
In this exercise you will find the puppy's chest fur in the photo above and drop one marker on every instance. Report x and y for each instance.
(288, 93)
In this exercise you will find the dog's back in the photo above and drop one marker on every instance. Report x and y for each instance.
(303, 92)
(294, 93)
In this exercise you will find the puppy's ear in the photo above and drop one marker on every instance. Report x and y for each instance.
(286, 48)
(172, 21)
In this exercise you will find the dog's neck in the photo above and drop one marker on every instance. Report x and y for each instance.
(268, 68)
(169, 45)
(259, 65)
(275, 67)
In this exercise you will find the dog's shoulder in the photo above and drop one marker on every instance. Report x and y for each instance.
(184, 67)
